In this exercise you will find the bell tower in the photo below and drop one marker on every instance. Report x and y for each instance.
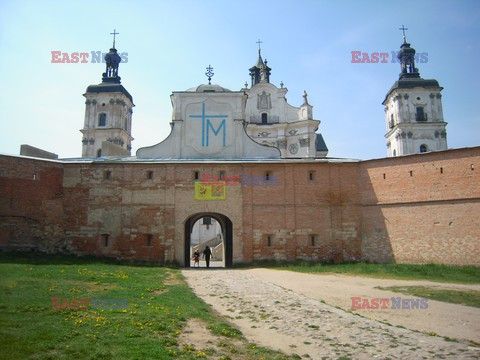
(107, 130)
(413, 110)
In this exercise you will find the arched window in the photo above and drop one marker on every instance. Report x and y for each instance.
(99, 153)
(102, 119)
(423, 148)
(264, 119)
(394, 152)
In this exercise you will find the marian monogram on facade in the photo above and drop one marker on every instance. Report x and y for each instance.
(263, 101)
(207, 126)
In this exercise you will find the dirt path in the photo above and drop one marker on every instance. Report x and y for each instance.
(283, 310)
(454, 321)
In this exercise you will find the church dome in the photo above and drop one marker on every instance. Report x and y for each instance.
(209, 88)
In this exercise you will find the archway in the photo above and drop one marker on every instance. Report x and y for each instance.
(226, 235)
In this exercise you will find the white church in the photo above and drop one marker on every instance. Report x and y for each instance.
(210, 121)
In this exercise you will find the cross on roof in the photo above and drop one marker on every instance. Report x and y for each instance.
(209, 74)
(114, 33)
(259, 42)
(403, 28)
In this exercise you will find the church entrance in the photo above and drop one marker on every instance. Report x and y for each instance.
(213, 230)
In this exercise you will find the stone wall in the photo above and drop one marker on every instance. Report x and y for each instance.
(412, 209)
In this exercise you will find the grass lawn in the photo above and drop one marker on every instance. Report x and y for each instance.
(469, 298)
(159, 305)
(430, 272)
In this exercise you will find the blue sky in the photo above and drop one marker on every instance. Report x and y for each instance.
(307, 43)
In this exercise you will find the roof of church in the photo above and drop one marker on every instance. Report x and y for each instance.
(109, 87)
(208, 88)
(412, 82)
(320, 143)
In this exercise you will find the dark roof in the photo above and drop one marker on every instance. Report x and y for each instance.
(320, 143)
(109, 87)
(412, 82)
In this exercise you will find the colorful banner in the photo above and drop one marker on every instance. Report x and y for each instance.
(210, 191)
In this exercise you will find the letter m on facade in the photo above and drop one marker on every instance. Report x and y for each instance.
(216, 131)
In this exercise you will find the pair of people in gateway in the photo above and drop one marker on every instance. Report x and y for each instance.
(207, 254)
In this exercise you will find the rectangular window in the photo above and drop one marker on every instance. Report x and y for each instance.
(313, 240)
(149, 175)
(311, 175)
(420, 114)
(107, 175)
(221, 176)
(102, 119)
(105, 239)
(269, 240)
(149, 239)
(195, 175)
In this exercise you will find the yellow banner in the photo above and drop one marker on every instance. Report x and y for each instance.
(210, 191)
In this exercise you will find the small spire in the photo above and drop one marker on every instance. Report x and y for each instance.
(209, 74)
(259, 48)
(114, 33)
(112, 60)
(281, 84)
(403, 28)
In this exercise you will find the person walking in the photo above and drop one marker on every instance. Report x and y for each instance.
(207, 254)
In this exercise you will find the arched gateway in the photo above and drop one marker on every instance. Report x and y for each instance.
(227, 234)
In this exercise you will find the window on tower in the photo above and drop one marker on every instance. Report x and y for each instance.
(420, 114)
(102, 119)
(392, 124)
(264, 119)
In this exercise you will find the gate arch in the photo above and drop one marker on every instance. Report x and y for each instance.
(227, 232)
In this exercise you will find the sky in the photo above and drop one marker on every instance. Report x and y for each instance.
(169, 44)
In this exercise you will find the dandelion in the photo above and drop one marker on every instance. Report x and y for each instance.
(201, 354)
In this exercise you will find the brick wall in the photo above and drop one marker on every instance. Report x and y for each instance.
(412, 209)
(31, 206)
(422, 208)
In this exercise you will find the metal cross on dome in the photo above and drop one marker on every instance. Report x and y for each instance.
(209, 74)
(403, 28)
(114, 33)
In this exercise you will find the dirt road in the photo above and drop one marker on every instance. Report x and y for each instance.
(285, 311)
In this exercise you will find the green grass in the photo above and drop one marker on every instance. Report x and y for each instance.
(431, 272)
(159, 305)
(469, 298)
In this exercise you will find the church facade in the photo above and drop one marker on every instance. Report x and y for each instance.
(255, 165)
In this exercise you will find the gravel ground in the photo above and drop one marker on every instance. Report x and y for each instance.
(277, 317)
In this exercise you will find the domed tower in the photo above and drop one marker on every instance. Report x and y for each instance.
(107, 129)
(413, 110)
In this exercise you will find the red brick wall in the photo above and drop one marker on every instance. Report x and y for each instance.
(372, 210)
(31, 204)
(422, 208)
